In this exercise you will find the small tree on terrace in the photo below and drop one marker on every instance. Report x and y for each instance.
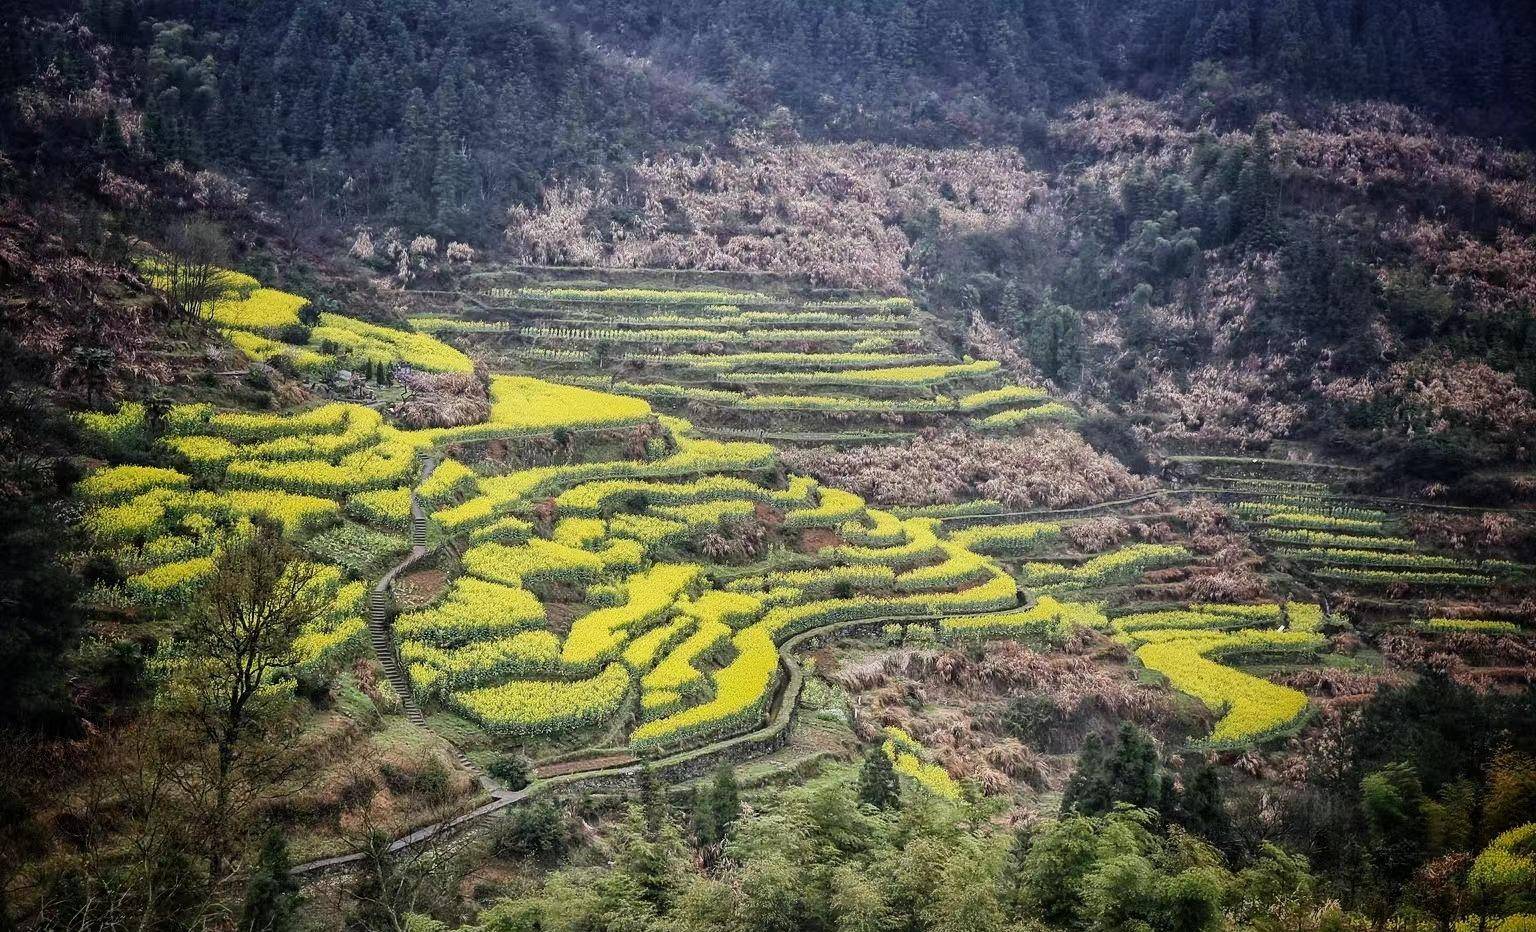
(717, 808)
(272, 893)
(878, 785)
(1127, 772)
(234, 642)
(195, 251)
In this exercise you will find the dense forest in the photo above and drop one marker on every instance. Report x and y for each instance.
(438, 114)
(869, 466)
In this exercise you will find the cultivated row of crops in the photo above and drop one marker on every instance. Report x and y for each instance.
(741, 354)
(267, 325)
(697, 646)
(1193, 648)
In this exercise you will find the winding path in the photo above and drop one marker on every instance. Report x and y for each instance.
(782, 711)
(780, 721)
(382, 637)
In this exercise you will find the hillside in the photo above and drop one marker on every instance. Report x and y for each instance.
(1042, 466)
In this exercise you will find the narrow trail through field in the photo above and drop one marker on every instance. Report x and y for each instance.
(780, 721)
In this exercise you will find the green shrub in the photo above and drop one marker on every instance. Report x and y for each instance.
(538, 832)
(511, 769)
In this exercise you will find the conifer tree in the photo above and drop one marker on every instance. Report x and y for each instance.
(653, 802)
(878, 785)
(1202, 810)
(716, 808)
(272, 894)
(1127, 772)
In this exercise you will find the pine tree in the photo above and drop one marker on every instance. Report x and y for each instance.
(1133, 769)
(716, 808)
(878, 785)
(1202, 810)
(653, 802)
(1128, 772)
(110, 143)
(272, 894)
(1084, 787)
(1258, 197)
(451, 181)
(725, 800)
(1054, 340)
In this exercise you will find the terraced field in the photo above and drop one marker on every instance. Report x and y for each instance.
(745, 357)
(586, 602)
(1338, 541)
(632, 596)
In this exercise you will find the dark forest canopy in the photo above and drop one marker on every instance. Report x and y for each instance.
(428, 112)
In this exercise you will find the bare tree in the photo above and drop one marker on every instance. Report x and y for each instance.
(233, 647)
(389, 883)
(196, 251)
(132, 870)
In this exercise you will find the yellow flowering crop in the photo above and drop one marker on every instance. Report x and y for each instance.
(1507, 865)
(836, 507)
(265, 349)
(914, 376)
(538, 559)
(1252, 709)
(707, 514)
(1005, 538)
(877, 529)
(594, 497)
(391, 507)
(507, 530)
(922, 546)
(449, 478)
(324, 649)
(264, 309)
(254, 428)
(959, 568)
(473, 610)
(831, 361)
(386, 464)
(362, 340)
(642, 652)
(1117, 566)
(119, 482)
(1049, 412)
(578, 532)
(676, 671)
(526, 707)
(1010, 394)
(905, 754)
(1046, 618)
(526, 653)
(171, 581)
(114, 432)
(741, 691)
(729, 608)
(820, 580)
(649, 594)
(538, 405)
(648, 529)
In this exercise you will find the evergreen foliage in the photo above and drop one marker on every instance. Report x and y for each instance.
(272, 893)
(716, 808)
(1127, 771)
(878, 785)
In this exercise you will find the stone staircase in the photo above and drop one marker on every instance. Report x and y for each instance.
(389, 661)
(382, 637)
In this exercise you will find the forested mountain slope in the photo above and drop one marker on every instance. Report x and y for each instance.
(776, 465)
